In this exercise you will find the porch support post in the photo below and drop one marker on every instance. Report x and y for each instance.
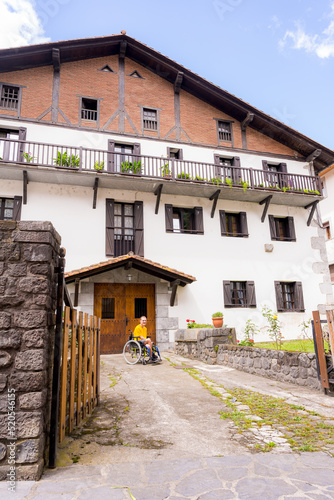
(25, 184)
(96, 183)
(174, 285)
(214, 197)
(314, 206)
(157, 193)
(266, 206)
(76, 292)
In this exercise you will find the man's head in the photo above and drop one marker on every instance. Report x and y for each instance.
(143, 321)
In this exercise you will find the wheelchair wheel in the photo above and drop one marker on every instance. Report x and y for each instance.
(132, 352)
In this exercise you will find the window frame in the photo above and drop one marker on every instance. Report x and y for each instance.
(220, 121)
(196, 214)
(17, 205)
(241, 222)
(17, 109)
(248, 292)
(328, 235)
(274, 222)
(138, 223)
(298, 299)
(82, 109)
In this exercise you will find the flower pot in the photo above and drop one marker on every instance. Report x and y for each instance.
(218, 322)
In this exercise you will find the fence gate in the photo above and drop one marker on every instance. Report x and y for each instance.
(76, 370)
(323, 337)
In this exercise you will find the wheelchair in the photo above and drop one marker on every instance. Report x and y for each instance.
(134, 351)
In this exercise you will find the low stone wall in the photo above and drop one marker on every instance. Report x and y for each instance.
(28, 256)
(296, 367)
(203, 343)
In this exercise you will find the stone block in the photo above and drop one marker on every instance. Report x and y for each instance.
(5, 359)
(5, 320)
(303, 373)
(10, 252)
(33, 285)
(2, 267)
(29, 450)
(38, 253)
(29, 424)
(10, 339)
(3, 451)
(42, 301)
(35, 338)
(32, 360)
(27, 381)
(33, 237)
(31, 472)
(17, 269)
(3, 381)
(304, 360)
(162, 336)
(30, 319)
(41, 269)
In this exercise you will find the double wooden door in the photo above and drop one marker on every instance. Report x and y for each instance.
(120, 307)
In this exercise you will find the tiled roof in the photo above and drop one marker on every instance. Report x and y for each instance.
(137, 262)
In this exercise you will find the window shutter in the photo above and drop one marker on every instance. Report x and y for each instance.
(264, 164)
(110, 156)
(168, 152)
(217, 166)
(243, 224)
(22, 137)
(222, 216)
(291, 227)
(272, 227)
(299, 300)
(180, 154)
(227, 294)
(136, 151)
(283, 168)
(279, 296)
(199, 228)
(250, 294)
(17, 208)
(109, 227)
(169, 218)
(139, 228)
(236, 161)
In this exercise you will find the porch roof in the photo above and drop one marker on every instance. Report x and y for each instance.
(131, 261)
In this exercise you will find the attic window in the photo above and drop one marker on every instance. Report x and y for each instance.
(9, 97)
(224, 131)
(135, 74)
(150, 119)
(89, 109)
(107, 68)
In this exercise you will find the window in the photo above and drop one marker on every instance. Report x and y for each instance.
(233, 224)
(120, 153)
(140, 307)
(108, 308)
(289, 296)
(184, 220)
(274, 176)
(239, 294)
(9, 97)
(10, 208)
(89, 109)
(224, 131)
(327, 227)
(282, 228)
(175, 153)
(124, 228)
(225, 168)
(150, 119)
(331, 271)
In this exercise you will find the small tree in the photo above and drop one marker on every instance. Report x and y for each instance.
(250, 330)
(274, 328)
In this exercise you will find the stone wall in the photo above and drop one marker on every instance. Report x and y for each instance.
(203, 344)
(28, 256)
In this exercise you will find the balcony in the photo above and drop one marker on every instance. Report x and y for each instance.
(61, 164)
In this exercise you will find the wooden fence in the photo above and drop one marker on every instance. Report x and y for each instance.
(325, 361)
(80, 369)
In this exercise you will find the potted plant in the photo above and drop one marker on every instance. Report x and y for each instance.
(165, 172)
(217, 319)
(99, 166)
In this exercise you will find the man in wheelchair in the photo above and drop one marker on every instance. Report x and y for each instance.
(141, 332)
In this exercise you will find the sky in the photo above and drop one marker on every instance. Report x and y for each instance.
(277, 55)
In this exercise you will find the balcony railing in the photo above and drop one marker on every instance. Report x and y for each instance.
(125, 164)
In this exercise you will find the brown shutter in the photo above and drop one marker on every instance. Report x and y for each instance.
(222, 216)
(243, 224)
(217, 166)
(109, 227)
(199, 228)
(264, 164)
(139, 228)
(299, 300)
(136, 152)
(169, 218)
(17, 207)
(180, 154)
(283, 168)
(236, 161)
(111, 156)
(250, 294)
(279, 296)
(22, 137)
(168, 152)
(227, 294)
(291, 227)
(272, 227)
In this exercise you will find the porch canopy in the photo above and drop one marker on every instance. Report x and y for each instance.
(131, 261)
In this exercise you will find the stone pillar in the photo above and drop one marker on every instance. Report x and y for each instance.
(29, 254)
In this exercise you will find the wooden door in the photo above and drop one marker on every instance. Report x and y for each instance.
(120, 306)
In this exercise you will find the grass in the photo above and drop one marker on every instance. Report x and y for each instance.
(297, 345)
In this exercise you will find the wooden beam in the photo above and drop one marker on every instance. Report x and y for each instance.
(157, 193)
(320, 352)
(25, 184)
(314, 206)
(96, 183)
(178, 82)
(247, 121)
(174, 285)
(267, 201)
(122, 49)
(214, 197)
(314, 155)
(76, 292)
(56, 59)
(128, 265)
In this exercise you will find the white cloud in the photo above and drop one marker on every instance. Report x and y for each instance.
(20, 24)
(320, 44)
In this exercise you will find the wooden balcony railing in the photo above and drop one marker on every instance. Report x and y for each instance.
(125, 164)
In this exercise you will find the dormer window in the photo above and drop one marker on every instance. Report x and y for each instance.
(224, 131)
(9, 97)
(150, 119)
(89, 109)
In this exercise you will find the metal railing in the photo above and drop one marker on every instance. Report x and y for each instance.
(85, 159)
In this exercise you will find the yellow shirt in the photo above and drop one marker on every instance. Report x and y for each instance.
(140, 331)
